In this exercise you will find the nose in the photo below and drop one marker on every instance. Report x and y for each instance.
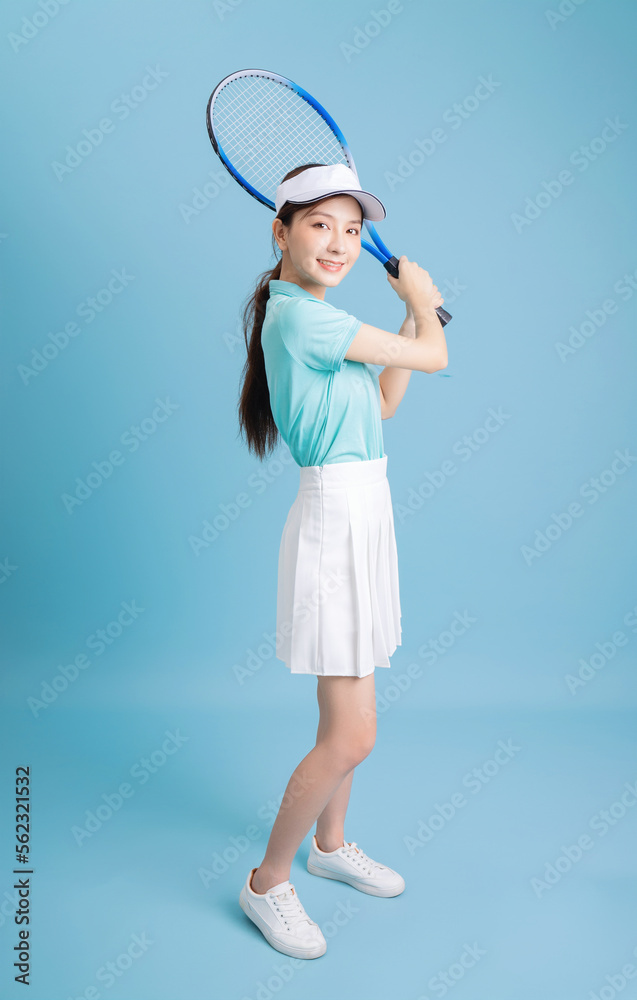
(337, 243)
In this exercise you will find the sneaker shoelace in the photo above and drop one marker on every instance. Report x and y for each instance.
(361, 859)
(290, 908)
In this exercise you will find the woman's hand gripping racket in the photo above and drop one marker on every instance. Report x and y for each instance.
(261, 125)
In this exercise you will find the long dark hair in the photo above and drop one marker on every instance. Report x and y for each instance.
(256, 422)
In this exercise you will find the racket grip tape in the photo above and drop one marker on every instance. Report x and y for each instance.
(443, 315)
(391, 265)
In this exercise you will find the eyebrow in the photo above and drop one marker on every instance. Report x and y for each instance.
(317, 211)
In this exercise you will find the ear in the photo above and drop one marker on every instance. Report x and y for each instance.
(278, 231)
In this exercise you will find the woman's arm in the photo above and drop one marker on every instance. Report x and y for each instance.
(394, 381)
(420, 346)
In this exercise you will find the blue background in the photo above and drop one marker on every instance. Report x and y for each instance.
(516, 289)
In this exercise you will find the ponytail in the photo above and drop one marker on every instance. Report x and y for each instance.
(256, 421)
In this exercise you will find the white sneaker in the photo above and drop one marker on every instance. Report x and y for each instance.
(349, 864)
(279, 915)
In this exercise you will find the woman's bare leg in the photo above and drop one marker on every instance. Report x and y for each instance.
(347, 737)
(332, 819)
(330, 825)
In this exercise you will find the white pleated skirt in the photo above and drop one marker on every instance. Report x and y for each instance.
(338, 602)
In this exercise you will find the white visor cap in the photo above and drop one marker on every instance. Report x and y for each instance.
(322, 182)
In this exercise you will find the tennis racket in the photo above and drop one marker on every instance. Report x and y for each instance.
(261, 125)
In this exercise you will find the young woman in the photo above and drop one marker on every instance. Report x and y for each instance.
(309, 378)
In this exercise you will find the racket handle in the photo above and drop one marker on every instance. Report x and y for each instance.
(391, 265)
(443, 316)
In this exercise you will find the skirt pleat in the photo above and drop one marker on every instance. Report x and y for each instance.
(338, 601)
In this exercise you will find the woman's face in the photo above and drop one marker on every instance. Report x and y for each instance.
(323, 234)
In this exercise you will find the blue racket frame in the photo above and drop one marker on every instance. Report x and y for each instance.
(378, 249)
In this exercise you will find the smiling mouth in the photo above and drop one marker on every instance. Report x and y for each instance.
(330, 265)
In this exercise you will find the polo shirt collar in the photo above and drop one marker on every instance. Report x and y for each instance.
(290, 288)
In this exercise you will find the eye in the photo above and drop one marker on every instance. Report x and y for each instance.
(352, 230)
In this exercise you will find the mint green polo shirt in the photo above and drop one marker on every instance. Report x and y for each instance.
(327, 408)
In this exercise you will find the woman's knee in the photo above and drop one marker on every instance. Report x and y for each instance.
(348, 718)
(349, 749)
(364, 731)
(365, 744)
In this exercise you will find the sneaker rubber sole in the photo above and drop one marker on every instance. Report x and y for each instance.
(371, 890)
(291, 950)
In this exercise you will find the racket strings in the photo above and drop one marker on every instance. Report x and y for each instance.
(266, 129)
(263, 139)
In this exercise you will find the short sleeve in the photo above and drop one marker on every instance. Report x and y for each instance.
(317, 334)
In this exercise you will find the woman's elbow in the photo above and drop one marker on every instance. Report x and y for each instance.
(438, 366)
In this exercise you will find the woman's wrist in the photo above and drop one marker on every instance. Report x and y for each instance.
(408, 328)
